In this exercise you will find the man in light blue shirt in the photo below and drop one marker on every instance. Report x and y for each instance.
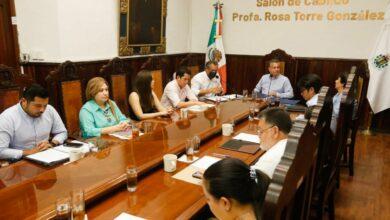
(274, 84)
(25, 128)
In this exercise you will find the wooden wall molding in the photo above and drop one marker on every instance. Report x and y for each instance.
(244, 71)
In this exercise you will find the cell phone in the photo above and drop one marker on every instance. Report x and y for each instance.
(71, 144)
(198, 175)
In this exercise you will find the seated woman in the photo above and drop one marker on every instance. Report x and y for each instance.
(144, 103)
(233, 190)
(340, 83)
(100, 115)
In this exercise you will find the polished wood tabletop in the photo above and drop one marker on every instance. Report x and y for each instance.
(32, 189)
(160, 196)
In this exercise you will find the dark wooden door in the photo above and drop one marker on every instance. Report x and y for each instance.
(9, 51)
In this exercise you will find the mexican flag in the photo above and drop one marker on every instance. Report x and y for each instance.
(378, 64)
(215, 49)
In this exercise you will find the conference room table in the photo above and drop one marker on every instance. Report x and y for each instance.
(30, 191)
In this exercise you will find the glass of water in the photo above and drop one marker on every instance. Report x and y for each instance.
(131, 176)
(245, 94)
(190, 149)
(78, 204)
(196, 142)
(63, 209)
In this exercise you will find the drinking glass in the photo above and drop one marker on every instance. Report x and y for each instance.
(134, 131)
(78, 204)
(63, 209)
(251, 113)
(131, 176)
(147, 126)
(196, 143)
(244, 93)
(190, 149)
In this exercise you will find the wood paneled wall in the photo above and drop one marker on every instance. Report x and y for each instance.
(243, 73)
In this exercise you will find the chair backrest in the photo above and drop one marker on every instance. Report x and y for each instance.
(69, 99)
(119, 80)
(290, 173)
(155, 66)
(191, 63)
(288, 64)
(344, 123)
(9, 91)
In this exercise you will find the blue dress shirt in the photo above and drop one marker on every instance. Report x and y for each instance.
(19, 131)
(280, 84)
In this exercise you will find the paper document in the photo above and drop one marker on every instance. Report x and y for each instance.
(184, 159)
(214, 98)
(85, 148)
(200, 108)
(49, 156)
(204, 162)
(124, 135)
(247, 137)
(125, 216)
(200, 165)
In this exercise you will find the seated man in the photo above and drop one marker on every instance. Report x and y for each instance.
(177, 91)
(274, 126)
(310, 85)
(208, 82)
(25, 128)
(274, 84)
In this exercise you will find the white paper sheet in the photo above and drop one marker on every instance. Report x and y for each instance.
(204, 162)
(49, 156)
(247, 137)
(85, 148)
(200, 108)
(124, 135)
(125, 216)
(184, 159)
(214, 98)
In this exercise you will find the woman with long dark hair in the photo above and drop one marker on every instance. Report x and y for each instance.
(233, 190)
(144, 103)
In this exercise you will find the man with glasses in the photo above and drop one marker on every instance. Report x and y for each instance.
(274, 126)
(25, 128)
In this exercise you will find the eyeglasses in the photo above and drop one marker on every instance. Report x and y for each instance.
(261, 131)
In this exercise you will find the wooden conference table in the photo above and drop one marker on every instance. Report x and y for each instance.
(28, 190)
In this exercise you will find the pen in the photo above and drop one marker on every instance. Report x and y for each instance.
(221, 155)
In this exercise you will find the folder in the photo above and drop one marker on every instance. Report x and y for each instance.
(241, 146)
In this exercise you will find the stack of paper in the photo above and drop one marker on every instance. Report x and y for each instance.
(49, 157)
(247, 137)
(85, 148)
(57, 154)
(200, 165)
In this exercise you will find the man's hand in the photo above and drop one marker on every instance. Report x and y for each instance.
(41, 146)
(273, 93)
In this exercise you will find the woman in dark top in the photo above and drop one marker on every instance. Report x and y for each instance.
(144, 103)
(233, 190)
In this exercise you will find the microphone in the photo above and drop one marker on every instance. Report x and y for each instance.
(270, 82)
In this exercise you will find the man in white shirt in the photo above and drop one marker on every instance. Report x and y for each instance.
(208, 82)
(177, 91)
(274, 84)
(25, 128)
(274, 126)
(310, 85)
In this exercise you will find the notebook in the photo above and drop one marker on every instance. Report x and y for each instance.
(49, 157)
(55, 155)
(241, 146)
